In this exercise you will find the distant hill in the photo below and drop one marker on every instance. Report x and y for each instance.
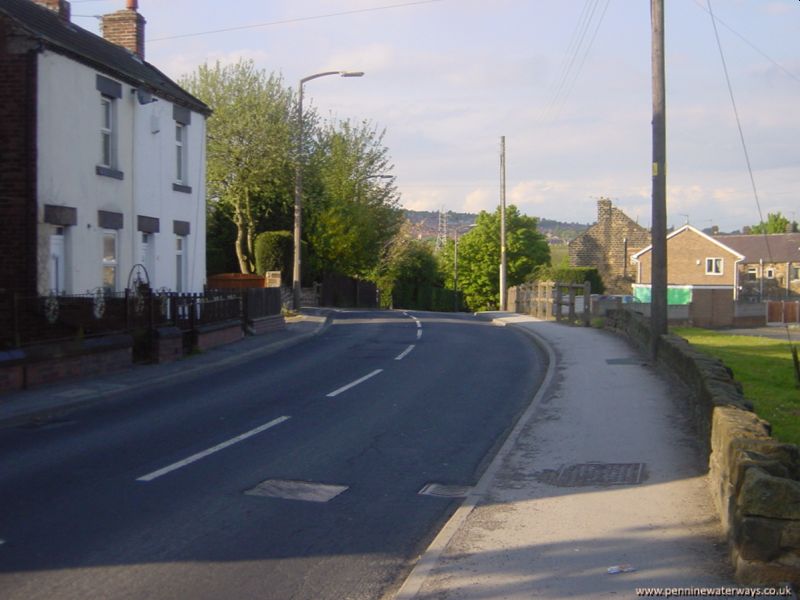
(425, 225)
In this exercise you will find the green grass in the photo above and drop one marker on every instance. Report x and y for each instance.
(559, 255)
(765, 369)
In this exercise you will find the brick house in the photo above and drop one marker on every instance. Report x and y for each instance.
(102, 158)
(608, 246)
(770, 268)
(695, 261)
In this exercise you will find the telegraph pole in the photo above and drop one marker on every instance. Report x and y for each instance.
(658, 281)
(503, 259)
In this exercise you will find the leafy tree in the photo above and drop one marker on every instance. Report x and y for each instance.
(352, 207)
(479, 256)
(250, 167)
(775, 223)
(408, 273)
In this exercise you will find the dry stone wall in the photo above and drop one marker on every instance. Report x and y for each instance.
(755, 480)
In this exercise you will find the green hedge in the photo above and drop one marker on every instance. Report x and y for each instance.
(274, 252)
(426, 297)
(570, 275)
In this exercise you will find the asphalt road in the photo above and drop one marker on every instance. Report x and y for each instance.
(159, 494)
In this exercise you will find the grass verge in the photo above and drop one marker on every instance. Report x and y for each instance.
(765, 369)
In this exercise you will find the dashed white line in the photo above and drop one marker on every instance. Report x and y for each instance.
(404, 353)
(354, 383)
(419, 333)
(217, 448)
(419, 323)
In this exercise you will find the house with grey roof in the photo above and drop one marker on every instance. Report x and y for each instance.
(102, 158)
(770, 267)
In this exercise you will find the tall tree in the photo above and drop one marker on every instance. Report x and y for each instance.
(479, 256)
(775, 223)
(250, 152)
(351, 199)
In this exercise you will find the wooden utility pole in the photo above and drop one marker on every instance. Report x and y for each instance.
(658, 281)
(503, 259)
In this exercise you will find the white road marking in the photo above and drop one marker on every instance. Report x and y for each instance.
(419, 333)
(419, 324)
(354, 383)
(217, 448)
(404, 353)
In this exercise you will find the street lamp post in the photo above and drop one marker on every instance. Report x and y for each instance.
(298, 181)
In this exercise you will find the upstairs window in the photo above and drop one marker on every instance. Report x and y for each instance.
(183, 119)
(713, 266)
(180, 153)
(110, 93)
(107, 158)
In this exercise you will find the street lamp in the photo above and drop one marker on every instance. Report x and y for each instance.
(298, 181)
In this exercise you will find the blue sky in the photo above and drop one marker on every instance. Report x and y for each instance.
(447, 78)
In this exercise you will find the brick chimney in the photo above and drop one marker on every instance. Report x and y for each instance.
(60, 7)
(125, 28)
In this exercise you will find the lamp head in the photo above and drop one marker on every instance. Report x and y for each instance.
(352, 73)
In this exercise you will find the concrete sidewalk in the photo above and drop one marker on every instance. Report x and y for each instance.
(52, 401)
(536, 526)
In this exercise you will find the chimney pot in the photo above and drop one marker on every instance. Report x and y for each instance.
(61, 7)
(133, 4)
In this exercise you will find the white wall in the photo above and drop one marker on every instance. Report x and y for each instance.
(154, 196)
(69, 148)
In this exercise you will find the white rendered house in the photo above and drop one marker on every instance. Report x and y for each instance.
(117, 166)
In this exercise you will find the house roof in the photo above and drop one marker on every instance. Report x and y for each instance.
(779, 247)
(84, 46)
(714, 241)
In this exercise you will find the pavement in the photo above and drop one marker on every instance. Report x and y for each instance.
(52, 401)
(599, 490)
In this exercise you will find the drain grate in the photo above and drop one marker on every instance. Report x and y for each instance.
(296, 490)
(595, 474)
(445, 491)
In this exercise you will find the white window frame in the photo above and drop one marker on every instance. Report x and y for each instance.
(180, 263)
(108, 132)
(715, 266)
(795, 272)
(181, 135)
(752, 274)
(109, 262)
(146, 253)
(58, 258)
(770, 272)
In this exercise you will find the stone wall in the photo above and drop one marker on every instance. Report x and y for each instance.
(755, 480)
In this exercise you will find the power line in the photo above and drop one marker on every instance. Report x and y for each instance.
(716, 19)
(736, 114)
(575, 56)
(295, 20)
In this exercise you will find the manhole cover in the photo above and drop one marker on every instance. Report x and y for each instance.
(445, 491)
(596, 474)
(625, 361)
(296, 490)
